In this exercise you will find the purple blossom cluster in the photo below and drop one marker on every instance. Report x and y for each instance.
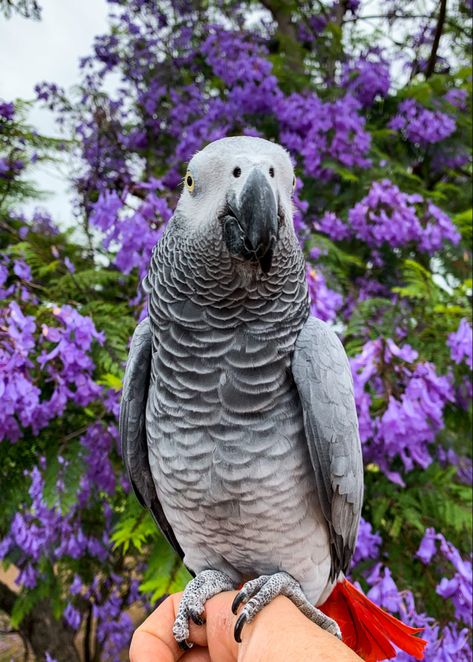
(389, 217)
(40, 529)
(367, 80)
(333, 227)
(461, 344)
(319, 132)
(443, 643)
(415, 397)
(63, 360)
(420, 125)
(7, 110)
(457, 97)
(98, 445)
(133, 231)
(10, 168)
(459, 588)
(110, 596)
(239, 61)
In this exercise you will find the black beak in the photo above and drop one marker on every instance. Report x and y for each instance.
(250, 227)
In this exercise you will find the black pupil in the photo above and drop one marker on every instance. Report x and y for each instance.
(237, 172)
(189, 180)
(271, 171)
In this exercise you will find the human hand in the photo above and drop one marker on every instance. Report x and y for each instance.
(279, 633)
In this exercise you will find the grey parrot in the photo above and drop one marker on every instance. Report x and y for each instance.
(238, 422)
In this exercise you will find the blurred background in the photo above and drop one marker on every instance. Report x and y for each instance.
(101, 106)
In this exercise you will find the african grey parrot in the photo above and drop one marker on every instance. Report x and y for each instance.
(238, 420)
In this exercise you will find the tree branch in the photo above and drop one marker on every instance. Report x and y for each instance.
(281, 12)
(435, 44)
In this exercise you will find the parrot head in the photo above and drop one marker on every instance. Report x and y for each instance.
(242, 187)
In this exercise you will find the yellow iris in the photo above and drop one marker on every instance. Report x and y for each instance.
(190, 183)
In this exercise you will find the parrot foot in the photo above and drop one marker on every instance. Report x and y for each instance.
(200, 589)
(259, 592)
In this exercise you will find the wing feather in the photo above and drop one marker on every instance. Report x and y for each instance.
(324, 381)
(133, 428)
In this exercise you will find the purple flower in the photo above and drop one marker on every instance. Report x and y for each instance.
(438, 227)
(457, 97)
(410, 423)
(22, 270)
(332, 226)
(98, 443)
(76, 587)
(460, 343)
(428, 546)
(28, 577)
(72, 616)
(458, 588)
(319, 131)
(420, 125)
(366, 80)
(384, 591)
(69, 265)
(7, 110)
(105, 210)
(387, 216)
(405, 353)
(368, 543)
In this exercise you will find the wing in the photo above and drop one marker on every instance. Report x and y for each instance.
(133, 428)
(324, 381)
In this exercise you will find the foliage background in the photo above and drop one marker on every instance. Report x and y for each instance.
(373, 102)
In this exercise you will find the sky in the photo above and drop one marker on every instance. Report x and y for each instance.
(48, 50)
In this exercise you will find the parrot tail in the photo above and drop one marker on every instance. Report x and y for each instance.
(367, 629)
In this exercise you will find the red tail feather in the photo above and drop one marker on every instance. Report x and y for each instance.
(367, 629)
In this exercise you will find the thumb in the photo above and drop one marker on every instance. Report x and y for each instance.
(154, 641)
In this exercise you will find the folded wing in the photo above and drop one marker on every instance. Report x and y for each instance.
(133, 428)
(323, 378)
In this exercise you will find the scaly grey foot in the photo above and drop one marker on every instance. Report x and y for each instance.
(259, 592)
(200, 589)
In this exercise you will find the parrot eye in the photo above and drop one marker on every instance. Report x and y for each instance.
(237, 172)
(271, 171)
(294, 183)
(190, 182)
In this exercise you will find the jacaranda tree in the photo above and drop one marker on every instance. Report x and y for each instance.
(374, 108)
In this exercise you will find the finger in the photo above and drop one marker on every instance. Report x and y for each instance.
(153, 641)
(219, 628)
(196, 654)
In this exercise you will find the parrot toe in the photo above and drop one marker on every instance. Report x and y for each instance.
(197, 616)
(240, 622)
(200, 589)
(248, 590)
(259, 592)
(185, 645)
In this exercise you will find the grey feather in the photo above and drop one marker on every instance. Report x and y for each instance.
(133, 428)
(323, 378)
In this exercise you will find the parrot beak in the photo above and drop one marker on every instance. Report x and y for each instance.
(251, 227)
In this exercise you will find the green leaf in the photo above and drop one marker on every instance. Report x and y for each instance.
(111, 381)
(135, 528)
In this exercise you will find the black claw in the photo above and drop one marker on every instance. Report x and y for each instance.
(199, 619)
(241, 620)
(185, 645)
(239, 598)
